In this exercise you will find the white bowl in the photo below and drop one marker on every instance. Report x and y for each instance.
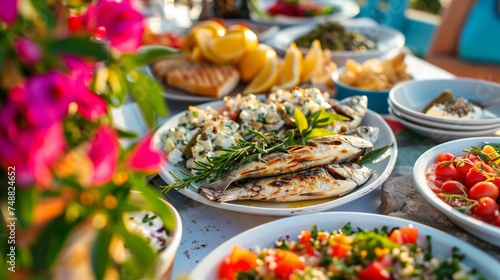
(440, 135)
(411, 97)
(480, 229)
(389, 41)
(479, 128)
(265, 235)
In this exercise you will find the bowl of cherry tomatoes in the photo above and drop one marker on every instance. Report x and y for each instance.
(461, 178)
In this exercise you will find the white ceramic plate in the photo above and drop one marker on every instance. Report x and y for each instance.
(438, 125)
(482, 230)
(381, 171)
(411, 96)
(266, 234)
(345, 9)
(441, 135)
(389, 41)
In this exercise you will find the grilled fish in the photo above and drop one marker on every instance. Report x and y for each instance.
(318, 182)
(318, 152)
(369, 133)
(354, 108)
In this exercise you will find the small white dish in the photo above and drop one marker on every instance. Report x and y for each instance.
(344, 9)
(265, 235)
(476, 227)
(411, 97)
(438, 125)
(389, 41)
(441, 135)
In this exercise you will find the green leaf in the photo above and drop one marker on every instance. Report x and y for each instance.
(143, 254)
(148, 93)
(152, 197)
(100, 253)
(26, 200)
(300, 120)
(118, 86)
(318, 132)
(375, 154)
(126, 134)
(78, 46)
(45, 12)
(146, 56)
(53, 237)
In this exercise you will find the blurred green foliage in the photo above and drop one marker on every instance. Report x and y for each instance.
(431, 6)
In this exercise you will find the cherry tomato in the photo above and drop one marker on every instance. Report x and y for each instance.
(486, 208)
(496, 181)
(483, 189)
(454, 187)
(474, 176)
(286, 263)
(446, 170)
(375, 271)
(445, 157)
(463, 167)
(240, 260)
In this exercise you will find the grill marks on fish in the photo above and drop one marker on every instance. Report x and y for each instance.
(318, 182)
(319, 152)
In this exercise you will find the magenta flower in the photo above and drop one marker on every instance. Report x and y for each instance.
(47, 97)
(90, 105)
(31, 150)
(144, 157)
(29, 52)
(122, 24)
(8, 12)
(104, 154)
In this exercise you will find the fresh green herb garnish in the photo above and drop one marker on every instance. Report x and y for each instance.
(375, 154)
(233, 157)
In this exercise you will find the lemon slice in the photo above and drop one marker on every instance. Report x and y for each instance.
(254, 60)
(313, 62)
(205, 41)
(217, 30)
(230, 47)
(291, 68)
(265, 79)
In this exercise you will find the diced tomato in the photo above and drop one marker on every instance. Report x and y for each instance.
(286, 263)
(375, 271)
(410, 235)
(240, 260)
(404, 235)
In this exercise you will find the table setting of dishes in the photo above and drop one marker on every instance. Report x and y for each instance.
(321, 140)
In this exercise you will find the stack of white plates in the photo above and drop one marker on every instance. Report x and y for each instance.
(407, 100)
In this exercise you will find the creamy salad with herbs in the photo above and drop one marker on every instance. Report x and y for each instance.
(203, 133)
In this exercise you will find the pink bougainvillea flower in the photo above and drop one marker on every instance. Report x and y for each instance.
(29, 52)
(104, 154)
(90, 105)
(47, 97)
(31, 150)
(116, 21)
(144, 157)
(8, 12)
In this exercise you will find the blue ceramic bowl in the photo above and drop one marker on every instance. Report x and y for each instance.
(377, 99)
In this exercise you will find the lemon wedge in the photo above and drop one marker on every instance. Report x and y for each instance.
(265, 79)
(215, 28)
(205, 41)
(313, 62)
(291, 68)
(253, 61)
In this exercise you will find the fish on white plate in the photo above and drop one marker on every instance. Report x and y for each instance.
(319, 151)
(319, 182)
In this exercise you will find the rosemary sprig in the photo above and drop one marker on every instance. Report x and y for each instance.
(232, 158)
